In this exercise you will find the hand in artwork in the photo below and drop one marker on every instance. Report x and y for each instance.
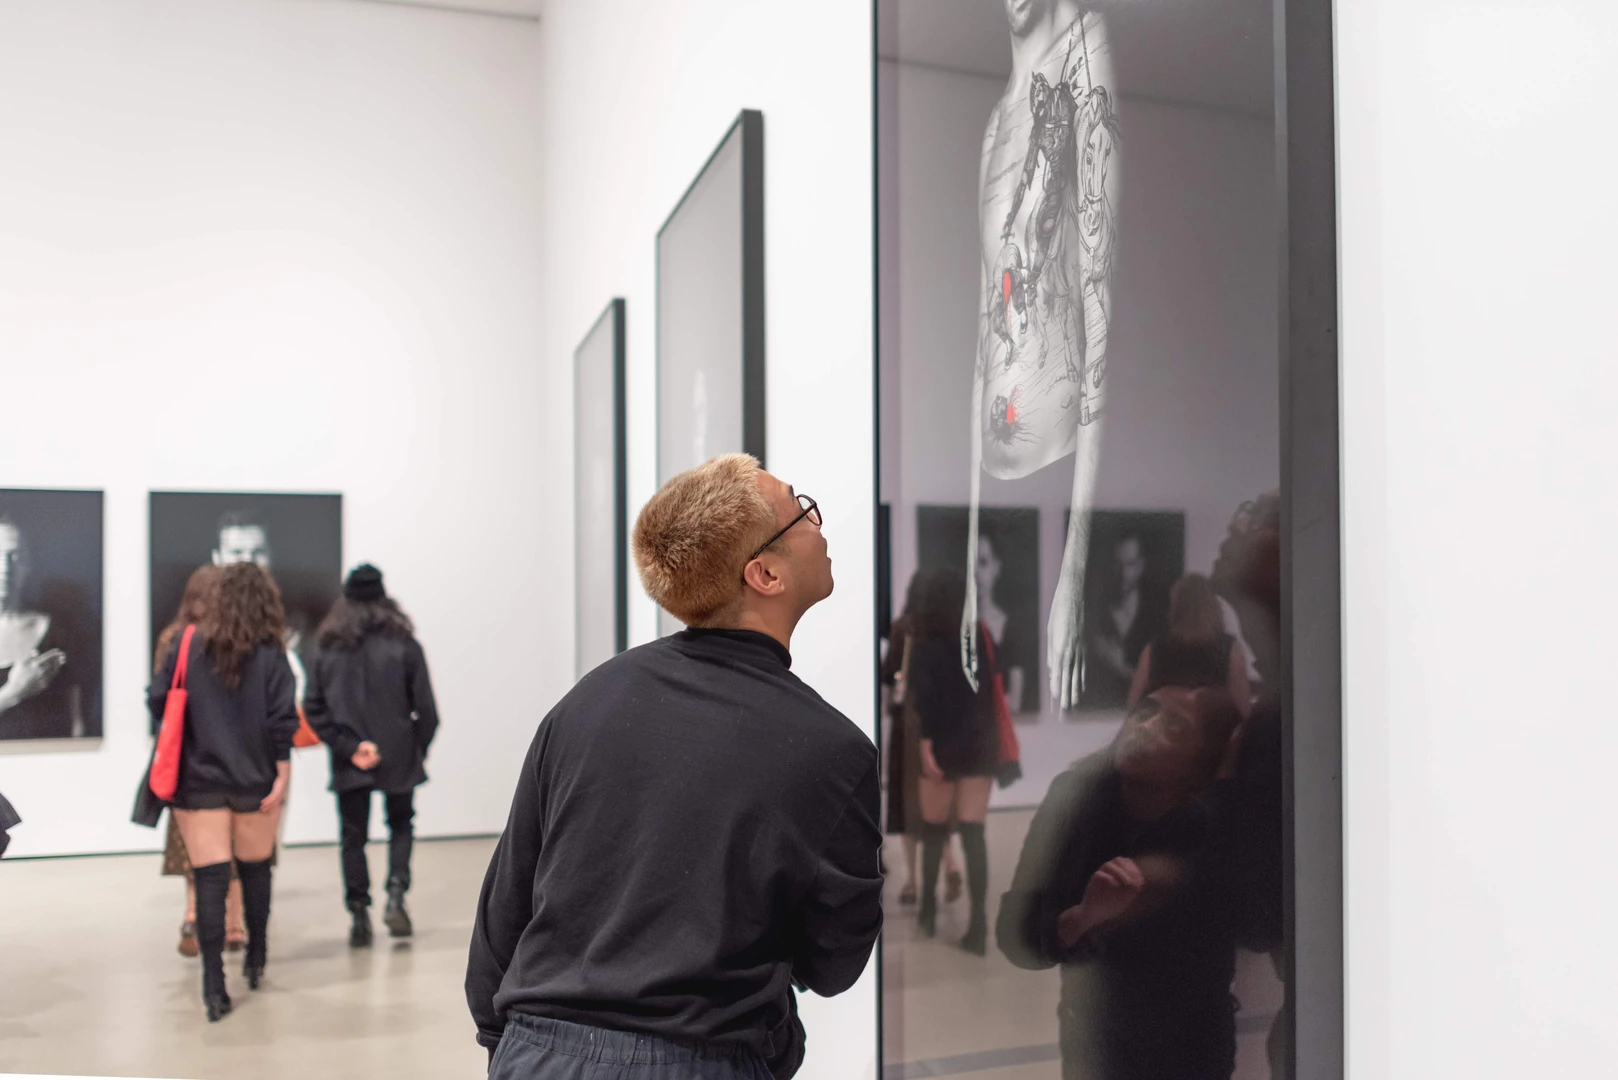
(1111, 891)
(367, 757)
(31, 676)
(969, 630)
(1065, 639)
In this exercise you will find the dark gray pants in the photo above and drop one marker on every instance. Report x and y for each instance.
(536, 1049)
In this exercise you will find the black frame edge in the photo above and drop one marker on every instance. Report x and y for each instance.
(754, 406)
(620, 475)
(1311, 523)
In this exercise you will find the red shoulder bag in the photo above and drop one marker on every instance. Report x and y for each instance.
(165, 772)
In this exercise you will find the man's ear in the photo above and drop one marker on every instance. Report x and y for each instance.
(762, 579)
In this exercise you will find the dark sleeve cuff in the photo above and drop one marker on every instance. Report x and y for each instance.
(283, 753)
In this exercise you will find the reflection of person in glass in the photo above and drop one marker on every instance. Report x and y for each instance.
(1194, 651)
(1121, 882)
(1049, 182)
(1125, 615)
(960, 747)
(34, 703)
(1001, 627)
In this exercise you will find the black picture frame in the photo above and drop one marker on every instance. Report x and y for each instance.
(606, 336)
(60, 578)
(1311, 524)
(679, 282)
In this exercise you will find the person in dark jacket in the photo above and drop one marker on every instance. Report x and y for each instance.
(1194, 651)
(960, 746)
(694, 831)
(1121, 881)
(371, 702)
(235, 762)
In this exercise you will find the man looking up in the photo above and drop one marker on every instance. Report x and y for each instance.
(694, 830)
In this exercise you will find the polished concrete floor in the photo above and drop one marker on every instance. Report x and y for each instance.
(90, 982)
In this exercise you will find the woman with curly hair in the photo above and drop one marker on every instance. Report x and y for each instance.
(241, 714)
(371, 702)
(193, 602)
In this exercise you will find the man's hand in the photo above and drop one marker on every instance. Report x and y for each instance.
(1110, 892)
(367, 757)
(31, 676)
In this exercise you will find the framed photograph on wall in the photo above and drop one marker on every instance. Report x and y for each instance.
(600, 500)
(50, 614)
(1106, 277)
(1134, 559)
(1006, 565)
(298, 538)
(710, 312)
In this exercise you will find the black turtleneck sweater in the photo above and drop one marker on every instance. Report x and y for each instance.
(694, 831)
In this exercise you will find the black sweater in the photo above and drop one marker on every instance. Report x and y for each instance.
(378, 691)
(694, 830)
(233, 738)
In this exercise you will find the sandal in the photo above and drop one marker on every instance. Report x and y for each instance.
(952, 886)
(235, 938)
(188, 939)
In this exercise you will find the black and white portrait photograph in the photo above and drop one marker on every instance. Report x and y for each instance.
(298, 538)
(1005, 570)
(1135, 558)
(50, 614)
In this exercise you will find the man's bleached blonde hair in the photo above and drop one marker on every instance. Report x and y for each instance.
(693, 538)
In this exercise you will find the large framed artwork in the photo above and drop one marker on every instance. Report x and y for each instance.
(600, 513)
(1134, 558)
(50, 614)
(710, 312)
(297, 538)
(1005, 573)
(1105, 245)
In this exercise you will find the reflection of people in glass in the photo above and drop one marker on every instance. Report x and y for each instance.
(1049, 182)
(903, 759)
(1120, 881)
(1001, 627)
(36, 701)
(1194, 651)
(372, 703)
(960, 747)
(1248, 576)
(1124, 617)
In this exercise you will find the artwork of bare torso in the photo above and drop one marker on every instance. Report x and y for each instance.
(1048, 192)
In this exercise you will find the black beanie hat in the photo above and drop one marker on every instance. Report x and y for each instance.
(364, 584)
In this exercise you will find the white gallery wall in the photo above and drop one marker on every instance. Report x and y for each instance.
(1477, 230)
(636, 95)
(289, 245)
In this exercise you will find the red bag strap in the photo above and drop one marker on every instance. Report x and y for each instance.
(185, 657)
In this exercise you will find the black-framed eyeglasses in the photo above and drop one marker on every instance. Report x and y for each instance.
(811, 510)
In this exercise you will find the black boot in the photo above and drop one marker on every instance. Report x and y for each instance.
(395, 915)
(976, 940)
(359, 934)
(933, 839)
(256, 911)
(212, 882)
